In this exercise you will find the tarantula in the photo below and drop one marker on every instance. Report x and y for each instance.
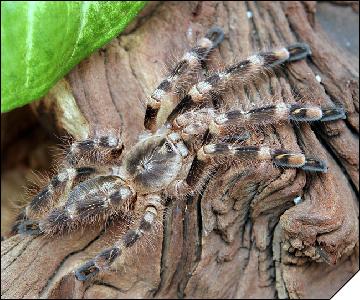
(185, 137)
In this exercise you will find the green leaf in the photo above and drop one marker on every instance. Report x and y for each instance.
(41, 41)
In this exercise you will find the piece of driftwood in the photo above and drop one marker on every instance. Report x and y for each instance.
(234, 239)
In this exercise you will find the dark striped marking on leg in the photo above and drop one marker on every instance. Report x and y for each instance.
(235, 138)
(131, 238)
(228, 149)
(76, 148)
(42, 199)
(58, 220)
(97, 196)
(107, 257)
(85, 145)
(85, 171)
(298, 51)
(183, 105)
(242, 66)
(266, 114)
(87, 271)
(304, 113)
(91, 207)
(150, 117)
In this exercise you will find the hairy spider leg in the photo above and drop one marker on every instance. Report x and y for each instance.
(274, 114)
(279, 157)
(244, 70)
(161, 102)
(229, 128)
(64, 179)
(89, 147)
(101, 196)
(103, 261)
(61, 182)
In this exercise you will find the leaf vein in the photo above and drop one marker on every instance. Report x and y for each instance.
(29, 41)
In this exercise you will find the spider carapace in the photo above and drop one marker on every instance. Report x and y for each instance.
(187, 133)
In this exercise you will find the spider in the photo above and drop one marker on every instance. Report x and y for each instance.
(188, 132)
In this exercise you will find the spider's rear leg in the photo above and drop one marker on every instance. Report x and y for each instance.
(63, 181)
(92, 199)
(279, 157)
(46, 198)
(103, 261)
(51, 194)
(161, 102)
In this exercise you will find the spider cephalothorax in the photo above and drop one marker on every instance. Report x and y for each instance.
(184, 140)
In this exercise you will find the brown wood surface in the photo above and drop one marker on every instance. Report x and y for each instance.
(243, 236)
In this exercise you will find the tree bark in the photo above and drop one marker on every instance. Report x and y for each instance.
(243, 236)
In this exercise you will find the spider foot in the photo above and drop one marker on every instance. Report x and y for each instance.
(29, 227)
(298, 51)
(96, 265)
(87, 271)
(216, 35)
(315, 165)
(332, 114)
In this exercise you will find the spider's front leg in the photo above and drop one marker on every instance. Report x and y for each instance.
(273, 114)
(162, 100)
(103, 260)
(279, 157)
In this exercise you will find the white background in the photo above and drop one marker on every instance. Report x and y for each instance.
(351, 290)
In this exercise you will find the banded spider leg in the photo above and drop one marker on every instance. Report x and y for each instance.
(162, 100)
(103, 260)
